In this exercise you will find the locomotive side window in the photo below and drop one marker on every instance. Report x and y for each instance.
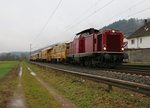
(99, 42)
(85, 34)
(132, 41)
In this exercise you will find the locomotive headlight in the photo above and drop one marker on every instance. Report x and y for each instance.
(104, 48)
(122, 49)
(113, 31)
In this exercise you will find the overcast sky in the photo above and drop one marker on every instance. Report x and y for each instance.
(45, 22)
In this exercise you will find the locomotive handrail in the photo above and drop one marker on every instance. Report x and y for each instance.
(137, 87)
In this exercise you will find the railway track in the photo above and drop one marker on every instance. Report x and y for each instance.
(137, 87)
(138, 70)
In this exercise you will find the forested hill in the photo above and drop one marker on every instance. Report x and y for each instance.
(126, 26)
(14, 56)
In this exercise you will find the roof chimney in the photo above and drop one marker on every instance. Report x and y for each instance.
(145, 24)
(145, 21)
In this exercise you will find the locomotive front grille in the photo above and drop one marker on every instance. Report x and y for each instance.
(113, 43)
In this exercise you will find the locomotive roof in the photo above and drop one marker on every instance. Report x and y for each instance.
(141, 32)
(106, 30)
(88, 30)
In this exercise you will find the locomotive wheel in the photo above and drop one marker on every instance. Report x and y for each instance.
(86, 63)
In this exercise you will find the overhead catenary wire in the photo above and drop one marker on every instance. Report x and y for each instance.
(122, 12)
(49, 18)
(68, 25)
(133, 6)
(84, 19)
(138, 12)
(79, 17)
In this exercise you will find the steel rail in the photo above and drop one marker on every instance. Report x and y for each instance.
(145, 71)
(130, 71)
(136, 87)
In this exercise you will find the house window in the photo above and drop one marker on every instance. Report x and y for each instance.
(132, 41)
(140, 40)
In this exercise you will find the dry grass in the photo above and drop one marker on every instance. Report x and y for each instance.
(7, 86)
(88, 94)
(35, 94)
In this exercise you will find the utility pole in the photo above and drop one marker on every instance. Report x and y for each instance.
(30, 51)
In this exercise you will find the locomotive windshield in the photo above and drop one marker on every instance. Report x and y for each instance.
(113, 42)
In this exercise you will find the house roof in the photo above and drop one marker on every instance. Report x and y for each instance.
(141, 32)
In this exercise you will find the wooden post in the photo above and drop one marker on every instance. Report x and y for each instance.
(109, 88)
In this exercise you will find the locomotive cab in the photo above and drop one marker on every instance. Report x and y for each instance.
(111, 47)
(112, 41)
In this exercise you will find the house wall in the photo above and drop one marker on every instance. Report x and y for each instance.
(139, 55)
(138, 44)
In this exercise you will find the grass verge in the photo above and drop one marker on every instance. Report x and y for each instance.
(8, 84)
(89, 94)
(6, 66)
(36, 96)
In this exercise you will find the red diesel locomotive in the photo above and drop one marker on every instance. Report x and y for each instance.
(92, 47)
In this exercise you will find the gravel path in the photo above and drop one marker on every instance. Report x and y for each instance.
(121, 76)
(18, 100)
(63, 101)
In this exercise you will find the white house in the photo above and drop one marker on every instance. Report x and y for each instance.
(140, 38)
